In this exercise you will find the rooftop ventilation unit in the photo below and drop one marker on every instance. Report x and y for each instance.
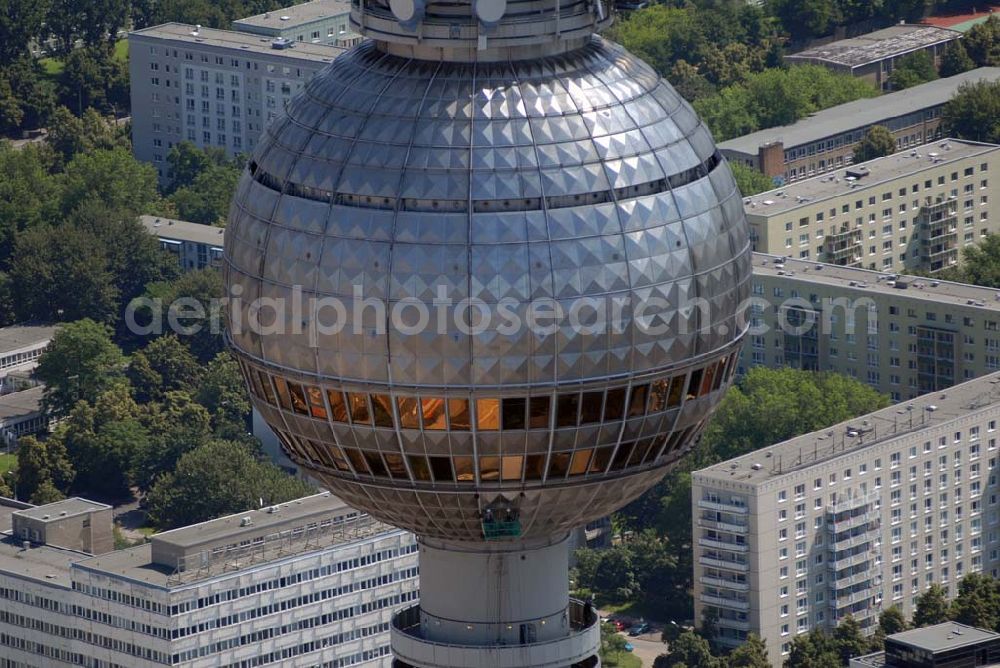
(857, 172)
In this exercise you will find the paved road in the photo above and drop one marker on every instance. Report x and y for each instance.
(647, 647)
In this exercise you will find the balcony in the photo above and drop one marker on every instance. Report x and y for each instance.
(851, 580)
(722, 526)
(580, 644)
(722, 506)
(724, 563)
(731, 603)
(844, 247)
(852, 560)
(739, 625)
(840, 602)
(853, 541)
(725, 584)
(720, 545)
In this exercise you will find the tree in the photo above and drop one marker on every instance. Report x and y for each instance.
(955, 59)
(932, 607)
(849, 641)
(195, 299)
(70, 135)
(163, 366)
(95, 22)
(27, 97)
(689, 82)
(913, 69)
(46, 493)
(20, 22)
(982, 42)
(187, 162)
(219, 478)
(176, 426)
(806, 18)
(611, 648)
(80, 363)
(224, 395)
(29, 195)
(973, 112)
(749, 180)
(813, 650)
(978, 602)
(892, 621)
(112, 177)
(689, 650)
(42, 465)
(877, 142)
(208, 197)
(751, 654)
(93, 77)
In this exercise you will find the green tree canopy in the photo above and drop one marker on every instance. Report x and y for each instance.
(876, 143)
(71, 135)
(237, 480)
(93, 77)
(224, 395)
(41, 464)
(111, 177)
(689, 650)
(20, 22)
(29, 196)
(915, 68)
(191, 294)
(982, 42)
(978, 602)
(749, 180)
(974, 112)
(207, 199)
(163, 366)
(932, 607)
(751, 654)
(980, 264)
(955, 59)
(892, 620)
(81, 363)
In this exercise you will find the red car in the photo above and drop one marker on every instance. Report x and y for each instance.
(619, 624)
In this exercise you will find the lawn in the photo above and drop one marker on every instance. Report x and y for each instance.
(7, 462)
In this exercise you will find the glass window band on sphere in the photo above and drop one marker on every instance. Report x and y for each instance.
(579, 177)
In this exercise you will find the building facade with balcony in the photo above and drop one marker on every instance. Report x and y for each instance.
(212, 87)
(849, 520)
(825, 141)
(909, 211)
(903, 335)
(310, 582)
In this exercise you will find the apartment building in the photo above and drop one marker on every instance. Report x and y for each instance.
(907, 211)
(903, 335)
(196, 246)
(212, 87)
(849, 520)
(873, 56)
(317, 22)
(825, 140)
(310, 582)
(22, 414)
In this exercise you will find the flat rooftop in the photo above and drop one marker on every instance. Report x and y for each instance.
(21, 404)
(860, 113)
(232, 527)
(296, 15)
(941, 637)
(880, 171)
(51, 565)
(62, 509)
(868, 281)
(853, 435)
(183, 230)
(17, 337)
(879, 45)
(239, 41)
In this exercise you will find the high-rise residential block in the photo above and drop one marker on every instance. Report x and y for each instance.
(903, 335)
(907, 211)
(212, 87)
(317, 22)
(849, 520)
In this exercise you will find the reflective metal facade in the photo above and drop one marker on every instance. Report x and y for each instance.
(581, 175)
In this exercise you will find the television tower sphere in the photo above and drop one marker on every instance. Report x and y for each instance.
(486, 273)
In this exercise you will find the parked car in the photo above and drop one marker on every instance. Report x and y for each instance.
(619, 624)
(638, 629)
